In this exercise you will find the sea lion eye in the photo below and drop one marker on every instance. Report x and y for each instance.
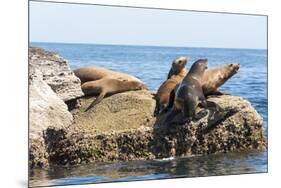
(231, 64)
(180, 61)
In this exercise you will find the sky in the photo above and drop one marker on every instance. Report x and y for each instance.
(76, 23)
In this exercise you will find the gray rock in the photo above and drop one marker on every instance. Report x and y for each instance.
(46, 109)
(56, 73)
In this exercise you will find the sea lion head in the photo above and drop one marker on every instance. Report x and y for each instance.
(135, 85)
(178, 64)
(231, 69)
(198, 67)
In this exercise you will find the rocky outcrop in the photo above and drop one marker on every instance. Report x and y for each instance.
(50, 82)
(46, 109)
(238, 127)
(56, 73)
(128, 110)
(123, 126)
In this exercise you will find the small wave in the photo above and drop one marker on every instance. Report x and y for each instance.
(165, 159)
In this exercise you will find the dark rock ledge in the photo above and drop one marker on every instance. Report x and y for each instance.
(122, 127)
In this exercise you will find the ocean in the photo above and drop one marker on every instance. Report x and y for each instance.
(151, 64)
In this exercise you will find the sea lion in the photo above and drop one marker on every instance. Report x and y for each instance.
(175, 76)
(178, 67)
(214, 78)
(189, 94)
(211, 81)
(107, 86)
(95, 73)
(163, 95)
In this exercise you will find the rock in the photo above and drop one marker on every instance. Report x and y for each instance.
(127, 110)
(123, 126)
(237, 127)
(46, 109)
(38, 157)
(56, 73)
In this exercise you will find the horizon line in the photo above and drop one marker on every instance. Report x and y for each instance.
(144, 45)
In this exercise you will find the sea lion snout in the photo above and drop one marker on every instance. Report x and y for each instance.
(181, 62)
(141, 85)
(235, 67)
(204, 63)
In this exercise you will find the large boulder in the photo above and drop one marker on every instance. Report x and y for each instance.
(127, 110)
(56, 73)
(46, 110)
(237, 126)
(136, 134)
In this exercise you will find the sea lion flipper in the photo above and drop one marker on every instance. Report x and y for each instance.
(201, 114)
(171, 99)
(170, 117)
(96, 101)
(214, 105)
(217, 92)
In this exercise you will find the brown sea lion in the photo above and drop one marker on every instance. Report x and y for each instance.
(95, 73)
(189, 94)
(211, 81)
(178, 67)
(175, 76)
(214, 78)
(107, 86)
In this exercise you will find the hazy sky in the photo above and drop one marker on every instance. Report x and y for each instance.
(72, 23)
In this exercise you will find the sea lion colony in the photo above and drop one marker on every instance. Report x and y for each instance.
(183, 91)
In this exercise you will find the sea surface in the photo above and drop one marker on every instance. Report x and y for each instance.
(151, 64)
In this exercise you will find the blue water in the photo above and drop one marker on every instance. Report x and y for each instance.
(151, 64)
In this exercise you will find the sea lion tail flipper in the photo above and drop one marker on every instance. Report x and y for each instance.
(96, 101)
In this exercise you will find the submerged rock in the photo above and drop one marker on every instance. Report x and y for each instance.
(56, 73)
